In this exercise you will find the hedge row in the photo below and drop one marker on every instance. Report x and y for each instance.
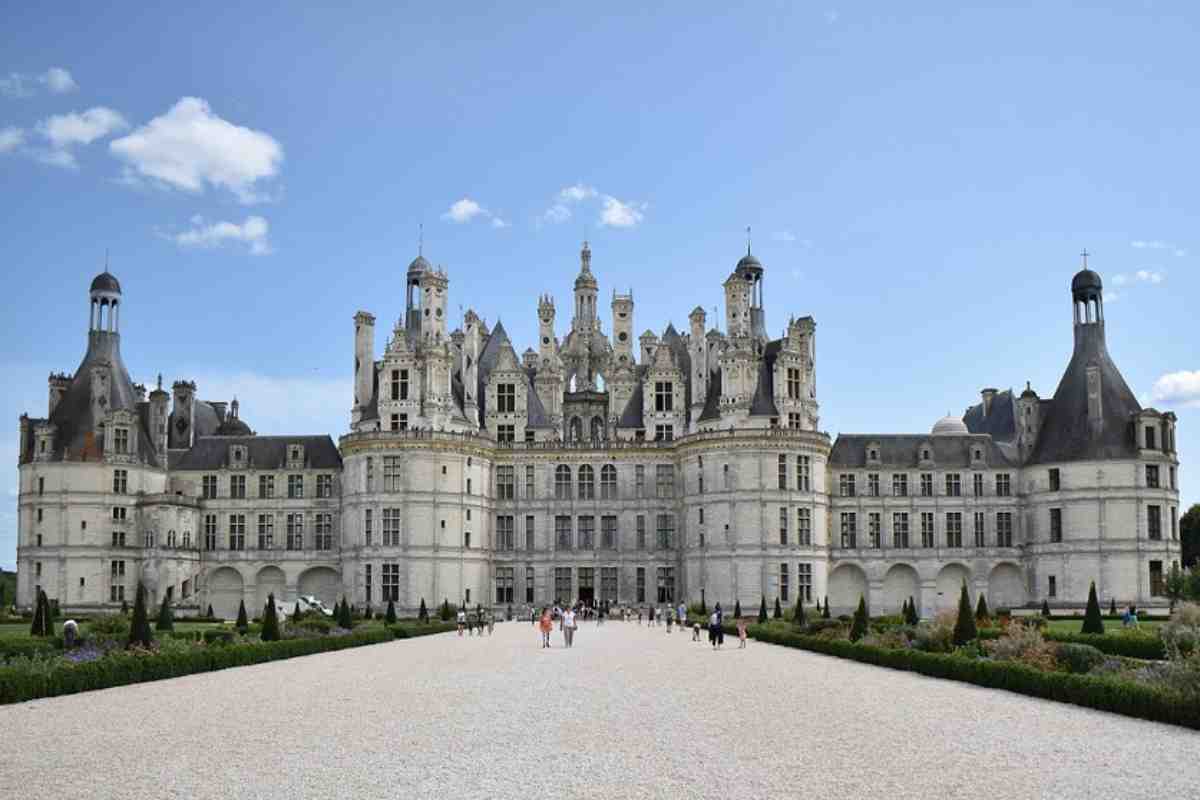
(1105, 694)
(1149, 648)
(25, 682)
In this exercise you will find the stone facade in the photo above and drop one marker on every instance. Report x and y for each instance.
(689, 468)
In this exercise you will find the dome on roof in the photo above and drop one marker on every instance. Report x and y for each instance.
(419, 264)
(1084, 280)
(106, 282)
(232, 426)
(749, 262)
(950, 426)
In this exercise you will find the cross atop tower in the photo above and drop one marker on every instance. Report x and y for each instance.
(747, 240)
(1084, 254)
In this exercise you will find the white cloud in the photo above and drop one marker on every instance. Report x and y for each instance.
(273, 405)
(189, 148)
(55, 158)
(1112, 297)
(59, 81)
(1157, 244)
(1120, 280)
(65, 130)
(616, 214)
(1150, 276)
(15, 85)
(577, 193)
(498, 223)
(56, 80)
(463, 211)
(252, 232)
(1178, 388)
(11, 138)
(557, 213)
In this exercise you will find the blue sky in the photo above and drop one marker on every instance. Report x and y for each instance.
(918, 177)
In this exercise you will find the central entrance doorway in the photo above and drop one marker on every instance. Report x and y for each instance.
(587, 586)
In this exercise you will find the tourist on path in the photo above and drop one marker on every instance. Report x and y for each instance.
(714, 625)
(491, 624)
(695, 630)
(682, 618)
(462, 621)
(568, 627)
(670, 619)
(741, 629)
(547, 625)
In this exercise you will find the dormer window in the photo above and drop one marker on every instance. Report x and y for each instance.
(121, 440)
(506, 398)
(924, 455)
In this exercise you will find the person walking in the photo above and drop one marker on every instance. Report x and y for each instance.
(491, 619)
(462, 621)
(714, 625)
(568, 627)
(741, 629)
(670, 619)
(546, 626)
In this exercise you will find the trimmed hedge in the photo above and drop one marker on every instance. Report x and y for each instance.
(20, 683)
(1105, 694)
(1149, 648)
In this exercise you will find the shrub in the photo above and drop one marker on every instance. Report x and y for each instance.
(317, 624)
(1024, 644)
(41, 624)
(762, 610)
(445, 614)
(964, 624)
(166, 620)
(825, 611)
(139, 629)
(1181, 635)
(210, 611)
(1131, 643)
(270, 629)
(110, 627)
(1046, 608)
(1092, 622)
(1112, 607)
(1078, 658)
(912, 619)
(124, 607)
(390, 617)
(859, 629)
(423, 612)
(242, 621)
(778, 609)
(981, 610)
(217, 636)
(737, 609)
(798, 612)
(937, 635)
(825, 627)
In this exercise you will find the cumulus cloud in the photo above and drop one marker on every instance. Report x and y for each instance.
(305, 402)
(577, 193)
(10, 139)
(190, 148)
(783, 236)
(463, 211)
(1178, 388)
(1157, 244)
(615, 214)
(55, 80)
(1149, 276)
(65, 130)
(1120, 280)
(252, 233)
(498, 223)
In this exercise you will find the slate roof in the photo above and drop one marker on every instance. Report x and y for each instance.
(712, 400)
(1001, 421)
(535, 412)
(1065, 433)
(263, 452)
(763, 404)
(902, 450)
(632, 416)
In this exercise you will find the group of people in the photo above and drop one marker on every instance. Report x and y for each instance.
(477, 622)
(568, 623)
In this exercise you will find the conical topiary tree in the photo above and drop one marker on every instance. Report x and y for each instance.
(798, 613)
(1045, 608)
(423, 612)
(445, 613)
(1092, 621)
(296, 612)
(210, 611)
(166, 618)
(124, 607)
(41, 625)
(390, 617)
(737, 609)
(242, 621)
(1112, 607)
(913, 617)
(904, 611)
(825, 613)
(139, 628)
(778, 609)
(964, 628)
(762, 611)
(981, 608)
(270, 627)
(858, 628)
(818, 606)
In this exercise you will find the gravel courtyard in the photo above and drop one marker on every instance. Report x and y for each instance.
(629, 712)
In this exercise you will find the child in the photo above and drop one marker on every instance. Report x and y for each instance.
(695, 631)
(547, 625)
(741, 629)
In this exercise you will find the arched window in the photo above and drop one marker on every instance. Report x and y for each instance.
(597, 429)
(562, 482)
(608, 482)
(587, 483)
(575, 432)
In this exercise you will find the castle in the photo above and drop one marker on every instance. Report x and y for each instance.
(691, 468)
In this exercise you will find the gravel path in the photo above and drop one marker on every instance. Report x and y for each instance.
(629, 712)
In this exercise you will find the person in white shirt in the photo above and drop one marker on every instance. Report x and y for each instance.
(568, 627)
(462, 621)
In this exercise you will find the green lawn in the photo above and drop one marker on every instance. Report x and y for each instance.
(1110, 625)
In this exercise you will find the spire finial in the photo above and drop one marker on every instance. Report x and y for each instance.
(1084, 254)
(106, 259)
(747, 240)
(420, 239)
(160, 381)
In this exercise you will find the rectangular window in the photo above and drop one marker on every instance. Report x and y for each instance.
(803, 473)
(1151, 438)
(587, 582)
(1004, 529)
(1056, 525)
(529, 584)
(804, 527)
(873, 484)
(641, 532)
(783, 525)
(368, 533)
(562, 585)
(1052, 587)
(641, 585)
(1174, 524)
(391, 527)
(237, 531)
(608, 482)
(784, 583)
(849, 529)
(266, 486)
(954, 529)
(900, 485)
(980, 537)
(121, 440)
(210, 531)
(639, 475)
(926, 484)
(874, 538)
(1171, 470)
(666, 584)
(977, 484)
(391, 473)
(1004, 485)
(41, 486)
(608, 532)
(562, 482)
(664, 396)
(266, 531)
(793, 383)
(324, 486)
(793, 420)
(506, 398)
(664, 433)
(666, 531)
(1152, 476)
(927, 529)
(700, 475)
(608, 584)
(367, 582)
(900, 530)
(1158, 586)
(237, 487)
(1055, 480)
(505, 532)
(370, 474)
(529, 484)
(846, 485)
(120, 481)
(295, 531)
(804, 581)
(783, 473)
(295, 486)
(562, 532)
(390, 583)
(504, 584)
(953, 484)
(506, 483)
(1154, 522)
(664, 480)
(506, 433)
(324, 531)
